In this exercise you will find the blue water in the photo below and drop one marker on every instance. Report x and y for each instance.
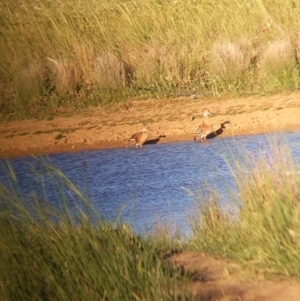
(160, 184)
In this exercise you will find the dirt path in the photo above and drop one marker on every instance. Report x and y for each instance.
(176, 119)
(219, 280)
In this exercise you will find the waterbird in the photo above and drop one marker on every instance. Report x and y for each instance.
(204, 129)
(140, 138)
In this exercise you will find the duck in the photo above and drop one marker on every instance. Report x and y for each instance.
(140, 138)
(204, 129)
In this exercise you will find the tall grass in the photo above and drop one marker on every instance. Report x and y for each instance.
(47, 254)
(265, 234)
(82, 53)
(63, 253)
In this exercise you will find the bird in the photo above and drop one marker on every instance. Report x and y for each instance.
(204, 129)
(140, 138)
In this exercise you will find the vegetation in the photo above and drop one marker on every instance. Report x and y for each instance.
(265, 234)
(75, 54)
(79, 53)
(71, 254)
(67, 251)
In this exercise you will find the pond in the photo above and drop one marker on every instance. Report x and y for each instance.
(160, 184)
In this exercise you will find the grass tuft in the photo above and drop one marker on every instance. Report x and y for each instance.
(78, 54)
(265, 233)
(67, 252)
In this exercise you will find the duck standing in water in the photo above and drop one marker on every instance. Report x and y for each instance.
(204, 129)
(140, 138)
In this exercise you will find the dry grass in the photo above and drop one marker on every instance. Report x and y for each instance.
(230, 60)
(78, 54)
(69, 252)
(265, 232)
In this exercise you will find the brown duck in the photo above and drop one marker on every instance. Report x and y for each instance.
(204, 129)
(140, 138)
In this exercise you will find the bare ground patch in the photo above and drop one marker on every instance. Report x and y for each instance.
(214, 279)
(175, 119)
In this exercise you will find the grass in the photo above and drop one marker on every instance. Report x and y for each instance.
(265, 234)
(75, 54)
(59, 136)
(19, 134)
(62, 131)
(68, 252)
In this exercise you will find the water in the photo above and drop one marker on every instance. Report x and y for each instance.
(149, 187)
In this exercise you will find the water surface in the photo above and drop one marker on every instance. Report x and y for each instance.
(158, 184)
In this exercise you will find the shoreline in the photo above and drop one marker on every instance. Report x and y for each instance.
(18, 153)
(174, 119)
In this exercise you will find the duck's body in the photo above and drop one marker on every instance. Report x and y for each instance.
(139, 138)
(204, 129)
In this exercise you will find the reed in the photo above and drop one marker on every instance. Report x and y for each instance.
(79, 53)
(265, 233)
(61, 253)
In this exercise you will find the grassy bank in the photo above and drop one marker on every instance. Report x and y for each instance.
(265, 234)
(75, 54)
(67, 254)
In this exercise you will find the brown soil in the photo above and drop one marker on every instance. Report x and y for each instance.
(176, 120)
(219, 280)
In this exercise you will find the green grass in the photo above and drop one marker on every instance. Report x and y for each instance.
(265, 233)
(71, 253)
(59, 136)
(68, 254)
(62, 131)
(76, 54)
